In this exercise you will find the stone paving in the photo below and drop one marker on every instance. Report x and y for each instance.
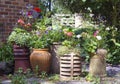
(112, 78)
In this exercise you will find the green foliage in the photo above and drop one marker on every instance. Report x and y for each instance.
(56, 35)
(19, 36)
(18, 79)
(54, 77)
(43, 75)
(94, 80)
(37, 42)
(68, 50)
(36, 70)
(67, 6)
(92, 38)
(113, 45)
(6, 52)
(40, 37)
(45, 5)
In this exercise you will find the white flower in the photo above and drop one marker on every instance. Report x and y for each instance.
(108, 28)
(78, 36)
(89, 9)
(99, 37)
(91, 15)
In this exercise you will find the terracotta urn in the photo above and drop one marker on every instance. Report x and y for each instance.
(40, 58)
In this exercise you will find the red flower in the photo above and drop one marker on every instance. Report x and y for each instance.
(37, 9)
(29, 13)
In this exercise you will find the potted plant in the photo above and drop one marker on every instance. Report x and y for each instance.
(39, 43)
(93, 42)
(70, 60)
(20, 38)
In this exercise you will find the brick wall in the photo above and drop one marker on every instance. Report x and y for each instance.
(9, 14)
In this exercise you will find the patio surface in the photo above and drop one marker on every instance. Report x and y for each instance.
(112, 78)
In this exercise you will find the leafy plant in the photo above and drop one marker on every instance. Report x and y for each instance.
(54, 77)
(6, 52)
(19, 36)
(18, 78)
(94, 80)
(57, 35)
(68, 50)
(43, 75)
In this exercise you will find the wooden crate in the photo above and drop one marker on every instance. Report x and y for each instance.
(70, 66)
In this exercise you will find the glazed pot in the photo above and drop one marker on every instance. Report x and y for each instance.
(40, 58)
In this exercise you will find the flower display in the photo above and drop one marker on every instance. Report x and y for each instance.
(92, 37)
(28, 16)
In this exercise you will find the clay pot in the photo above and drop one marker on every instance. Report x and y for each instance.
(40, 58)
(21, 57)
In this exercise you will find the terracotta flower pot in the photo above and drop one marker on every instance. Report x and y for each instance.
(40, 58)
(21, 56)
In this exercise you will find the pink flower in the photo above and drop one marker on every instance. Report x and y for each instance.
(21, 22)
(69, 34)
(95, 33)
(28, 24)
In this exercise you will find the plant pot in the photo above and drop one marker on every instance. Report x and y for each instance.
(40, 58)
(55, 60)
(21, 57)
(98, 63)
(70, 66)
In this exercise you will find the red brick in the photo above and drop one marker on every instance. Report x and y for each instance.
(12, 20)
(11, 13)
(3, 6)
(11, 6)
(15, 3)
(7, 2)
(4, 13)
(19, 7)
(8, 9)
